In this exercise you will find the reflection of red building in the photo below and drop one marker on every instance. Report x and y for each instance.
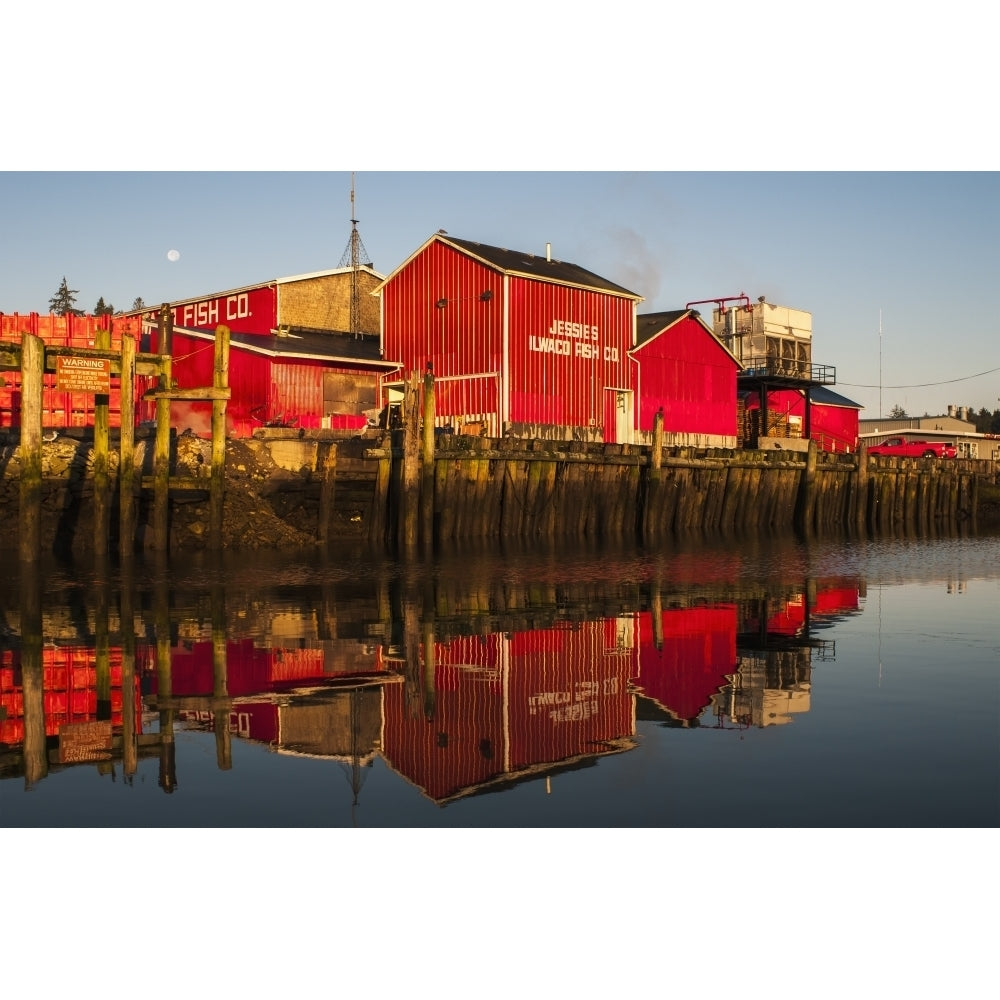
(693, 657)
(69, 679)
(495, 709)
(252, 669)
(789, 616)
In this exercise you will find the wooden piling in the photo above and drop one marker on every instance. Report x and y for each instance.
(102, 448)
(126, 448)
(161, 446)
(30, 514)
(327, 494)
(806, 500)
(427, 461)
(102, 637)
(220, 679)
(220, 380)
(36, 757)
(862, 487)
(409, 493)
(379, 513)
(164, 676)
(130, 746)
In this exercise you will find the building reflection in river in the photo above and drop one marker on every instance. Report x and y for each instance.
(456, 710)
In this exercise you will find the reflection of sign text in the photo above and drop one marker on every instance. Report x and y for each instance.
(577, 704)
(83, 374)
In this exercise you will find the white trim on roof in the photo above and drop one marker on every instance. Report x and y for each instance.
(326, 274)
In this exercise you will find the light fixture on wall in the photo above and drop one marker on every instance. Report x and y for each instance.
(441, 303)
(486, 296)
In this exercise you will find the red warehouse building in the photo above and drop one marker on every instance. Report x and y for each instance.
(294, 358)
(519, 344)
(685, 371)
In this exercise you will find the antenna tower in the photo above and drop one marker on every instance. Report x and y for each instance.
(355, 255)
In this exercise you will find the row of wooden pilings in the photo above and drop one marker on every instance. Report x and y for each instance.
(34, 360)
(441, 488)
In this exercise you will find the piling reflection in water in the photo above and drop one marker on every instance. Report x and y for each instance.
(459, 687)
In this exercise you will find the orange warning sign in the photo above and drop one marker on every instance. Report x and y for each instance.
(75, 374)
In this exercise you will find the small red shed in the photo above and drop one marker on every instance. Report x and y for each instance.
(294, 379)
(294, 359)
(685, 371)
(833, 421)
(519, 344)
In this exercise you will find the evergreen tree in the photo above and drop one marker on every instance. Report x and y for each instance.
(897, 412)
(63, 303)
(138, 304)
(103, 310)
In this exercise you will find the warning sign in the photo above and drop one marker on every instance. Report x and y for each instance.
(83, 374)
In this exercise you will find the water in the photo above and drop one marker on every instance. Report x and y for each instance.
(759, 683)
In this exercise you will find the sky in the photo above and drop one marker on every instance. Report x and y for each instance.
(898, 269)
(837, 165)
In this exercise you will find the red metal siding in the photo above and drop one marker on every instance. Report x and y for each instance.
(688, 373)
(696, 659)
(461, 337)
(567, 346)
(252, 311)
(570, 696)
(65, 409)
(449, 737)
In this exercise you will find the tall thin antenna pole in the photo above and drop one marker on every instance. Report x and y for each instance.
(880, 411)
(355, 255)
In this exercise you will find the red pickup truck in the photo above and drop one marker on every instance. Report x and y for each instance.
(913, 449)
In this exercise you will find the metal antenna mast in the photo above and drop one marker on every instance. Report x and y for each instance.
(355, 256)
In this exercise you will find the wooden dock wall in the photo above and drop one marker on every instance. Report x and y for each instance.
(506, 489)
(487, 489)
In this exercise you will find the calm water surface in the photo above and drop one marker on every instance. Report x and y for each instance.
(731, 684)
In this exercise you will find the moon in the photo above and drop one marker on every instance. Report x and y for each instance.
(173, 255)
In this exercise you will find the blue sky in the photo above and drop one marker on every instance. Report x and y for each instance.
(920, 248)
(599, 135)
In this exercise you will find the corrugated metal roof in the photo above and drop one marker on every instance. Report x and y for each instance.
(650, 325)
(521, 263)
(821, 394)
(305, 345)
(534, 266)
(817, 394)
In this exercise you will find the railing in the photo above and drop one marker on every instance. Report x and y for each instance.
(789, 368)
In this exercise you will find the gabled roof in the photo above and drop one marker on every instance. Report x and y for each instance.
(649, 326)
(821, 394)
(249, 288)
(304, 346)
(817, 394)
(522, 264)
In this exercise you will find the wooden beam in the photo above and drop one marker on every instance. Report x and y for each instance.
(220, 386)
(201, 393)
